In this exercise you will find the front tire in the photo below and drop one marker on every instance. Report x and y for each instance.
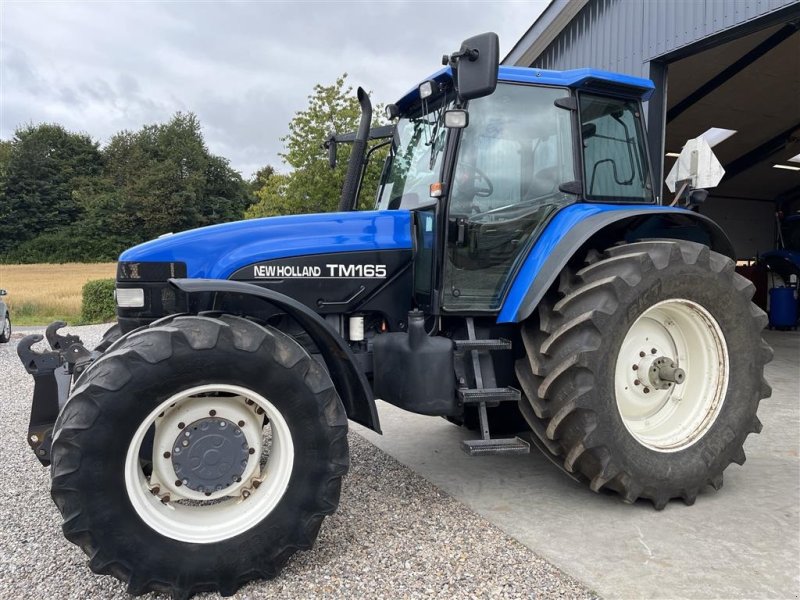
(599, 375)
(263, 437)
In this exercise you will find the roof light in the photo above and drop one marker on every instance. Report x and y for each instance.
(716, 135)
(426, 89)
(795, 158)
(673, 154)
(787, 167)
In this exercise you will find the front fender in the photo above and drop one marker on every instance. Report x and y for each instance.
(350, 382)
(575, 225)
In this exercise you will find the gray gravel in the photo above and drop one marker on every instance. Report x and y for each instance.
(395, 534)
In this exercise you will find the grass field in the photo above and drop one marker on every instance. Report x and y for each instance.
(39, 294)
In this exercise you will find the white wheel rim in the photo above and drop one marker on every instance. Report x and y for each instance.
(221, 514)
(674, 418)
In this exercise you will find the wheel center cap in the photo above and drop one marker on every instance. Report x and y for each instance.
(210, 454)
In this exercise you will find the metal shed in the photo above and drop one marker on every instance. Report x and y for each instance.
(730, 64)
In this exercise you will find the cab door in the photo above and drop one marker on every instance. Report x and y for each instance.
(513, 156)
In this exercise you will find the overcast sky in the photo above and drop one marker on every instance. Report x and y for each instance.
(243, 67)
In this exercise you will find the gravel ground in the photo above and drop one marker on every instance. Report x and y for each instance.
(395, 534)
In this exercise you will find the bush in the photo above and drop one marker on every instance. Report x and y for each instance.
(98, 304)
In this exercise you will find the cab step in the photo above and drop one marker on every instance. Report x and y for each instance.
(489, 345)
(486, 393)
(515, 445)
(490, 395)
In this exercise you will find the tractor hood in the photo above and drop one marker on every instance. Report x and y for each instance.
(217, 251)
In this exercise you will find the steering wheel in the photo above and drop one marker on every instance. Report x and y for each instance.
(481, 184)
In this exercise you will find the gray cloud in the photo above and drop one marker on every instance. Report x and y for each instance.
(243, 67)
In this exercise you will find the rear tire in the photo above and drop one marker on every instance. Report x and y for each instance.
(105, 456)
(675, 297)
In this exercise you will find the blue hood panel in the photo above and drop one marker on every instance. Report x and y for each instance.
(217, 251)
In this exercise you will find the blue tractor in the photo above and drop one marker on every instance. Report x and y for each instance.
(517, 276)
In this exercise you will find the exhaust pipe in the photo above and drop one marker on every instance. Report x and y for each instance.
(355, 165)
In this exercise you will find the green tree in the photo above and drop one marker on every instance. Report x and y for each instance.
(46, 172)
(160, 178)
(260, 178)
(311, 185)
(164, 179)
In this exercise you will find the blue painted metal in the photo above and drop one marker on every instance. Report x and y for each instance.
(215, 252)
(567, 218)
(782, 307)
(574, 78)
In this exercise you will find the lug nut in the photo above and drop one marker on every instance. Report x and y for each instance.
(155, 490)
(248, 401)
(241, 423)
(256, 483)
(165, 499)
(635, 367)
(245, 494)
(213, 413)
(181, 425)
(647, 390)
(208, 493)
(641, 354)
(185, 443)
(178, 483)
(167, 454)
(653, 350)
(636, 382)
(251, 451)
(259, 411)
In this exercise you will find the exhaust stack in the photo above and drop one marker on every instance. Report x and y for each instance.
(356, 163)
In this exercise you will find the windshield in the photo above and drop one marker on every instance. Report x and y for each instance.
(416, 158)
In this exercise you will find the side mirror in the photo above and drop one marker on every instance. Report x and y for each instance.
(330, 146)
(475, 66)
(697, 197)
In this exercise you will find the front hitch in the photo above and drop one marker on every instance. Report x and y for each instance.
(52, 372)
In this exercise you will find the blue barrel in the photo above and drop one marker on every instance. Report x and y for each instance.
(782, 307)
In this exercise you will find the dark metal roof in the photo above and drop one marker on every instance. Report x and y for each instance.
(624, 35)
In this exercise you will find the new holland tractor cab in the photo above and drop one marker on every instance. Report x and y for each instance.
(518, 276)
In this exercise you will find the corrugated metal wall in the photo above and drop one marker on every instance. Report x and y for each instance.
(624, 35)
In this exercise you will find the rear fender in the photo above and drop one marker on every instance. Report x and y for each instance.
(350, 382)
(579, 227)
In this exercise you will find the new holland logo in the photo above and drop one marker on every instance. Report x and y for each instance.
(329, 271)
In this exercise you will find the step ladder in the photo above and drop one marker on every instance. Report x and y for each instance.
(486, 393)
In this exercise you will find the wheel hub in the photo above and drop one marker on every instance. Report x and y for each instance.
(210, 454)
(664, 373)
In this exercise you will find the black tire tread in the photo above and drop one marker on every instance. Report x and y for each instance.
(556, 377)
(154, 344)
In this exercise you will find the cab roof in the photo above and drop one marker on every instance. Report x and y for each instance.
(584, 79)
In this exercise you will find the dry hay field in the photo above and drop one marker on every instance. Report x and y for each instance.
(41, 293)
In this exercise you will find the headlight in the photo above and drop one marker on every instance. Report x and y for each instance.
(129, 297)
